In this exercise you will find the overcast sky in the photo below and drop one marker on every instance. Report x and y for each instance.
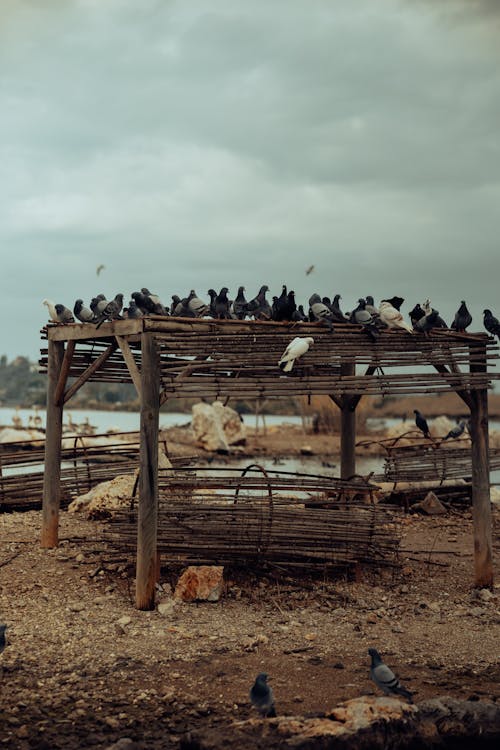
(197, 144)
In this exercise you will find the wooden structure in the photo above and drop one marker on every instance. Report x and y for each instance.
(165, 357)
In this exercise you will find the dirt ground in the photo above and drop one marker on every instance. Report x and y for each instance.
(83, 668)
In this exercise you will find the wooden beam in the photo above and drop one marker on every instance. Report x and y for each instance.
(354, 400)
(464, 394)
(481, 504)
(147, 521)
(53, 434)
(88, 331)
(63, 375)
(337, 400)
(347, 428)
(96, 364)
(130, 362)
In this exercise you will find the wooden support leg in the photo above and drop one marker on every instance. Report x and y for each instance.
(347, 442)
(481, 505)
(53, 435)
(147, 522)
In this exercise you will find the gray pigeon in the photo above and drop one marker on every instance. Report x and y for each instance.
(84, 314)
(3, 642)
(259, 307)
(64, 314)
(239, 306)
(319, 311)
(384, 678)
(158, 307)
(364, 318)
(262, 698)
(111, 311)
(196, 305)
(455, 432)
(133, 311)
(96, 304)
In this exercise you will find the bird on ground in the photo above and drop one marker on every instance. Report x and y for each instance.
(491, 323)
(111, 311)
(222, 305)
(3, 642)
(456, 431)
(361, 316)
(462, 319)
(84, 314)
(64, 314)
(421, 423)
(295, 349)
(239, 306)
(262, 698)
(319, 311)
(384, 677)
(196, 305)
(391, 316)
(259, 307)
(51, 307)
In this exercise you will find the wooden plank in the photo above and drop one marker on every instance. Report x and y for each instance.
(91, 369)
(88, 331)
(481, 504)
(347, 429)
(462, 393)
(130, 362)
(63, 376)
(52, 466)
(147, 522)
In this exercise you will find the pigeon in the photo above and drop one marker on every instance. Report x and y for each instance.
(176, 301)
(361, 316)
(3, 642)
(456, 431)
(100, 268)
(391, 316)
(97, 304)
(281, 305)
(111, 311)
(196, 305)
(427, 307)
(239, 306)
(462, 319)
(213, 296)
(51, 307)
(262, 698)
(429, 321)
(222, 304)
(416, 314)
(259, 307)
(83, 313)
(295, 349)
(291, 305)
(384, 677)
(319, 311)
(395, 302)
(143, 302)
(158, 307)
(421, 423)
(491, 323)
(133, 311)
(370, 306)
(299, 315)
(337, 313)
(64, 314)
(309, 270)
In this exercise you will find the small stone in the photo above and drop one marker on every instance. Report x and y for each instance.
(80, 558)
(123, 621)
(435, 607)
(404, 589)
(166, 608)
(485, 595)
(124, 743)
(311, 636)
(372, 618)
(397, 629)
(200, 583)
(76, 607)
(476, 611)
(298, 699)
(338, 665)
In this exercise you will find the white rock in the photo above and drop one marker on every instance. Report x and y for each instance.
(216, 426)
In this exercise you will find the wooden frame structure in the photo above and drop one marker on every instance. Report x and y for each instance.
(223, 359)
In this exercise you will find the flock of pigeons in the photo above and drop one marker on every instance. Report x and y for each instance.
(262, 697)
(423, 318)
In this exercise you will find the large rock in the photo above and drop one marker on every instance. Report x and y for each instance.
(11, 435)
(216, 426)
(105, 497)
(200, 583)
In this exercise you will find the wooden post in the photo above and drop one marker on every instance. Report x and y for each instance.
(347, 428)
(147, 522)
(481, 504)
(53, 434)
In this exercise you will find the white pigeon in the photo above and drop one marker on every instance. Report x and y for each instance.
(427, 306)
(295, 349)
(52, 310)
(392, 317)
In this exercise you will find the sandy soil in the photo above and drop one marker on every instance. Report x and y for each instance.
(84, 668)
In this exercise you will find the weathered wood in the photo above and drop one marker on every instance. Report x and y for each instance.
(91, 369)
(63, 376)
(130, 362)
(347, 428)
(481, 504)
(86, 331)
(147, 524)
(53, 434)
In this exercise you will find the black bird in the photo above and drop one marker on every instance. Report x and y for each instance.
(337, 313)
(416, 314)
(457, 431)
(111, 311)
(176, 301)
(291, 306)
(395, 302)
(428, 322)
(222, 304)
(299, 315)
(259, 307)
(384, 677)
(361, 316)
(158, 307)
(462, 319)
(491, 323)
(213, 296)
(280, 305)
(3, 642)
(240, 305)
(262, 698)
(83, 313)
(327, 301)
(143, 302)
(421, 423)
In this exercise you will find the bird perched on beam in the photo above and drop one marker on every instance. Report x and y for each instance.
(491, 323)
(64, 314)
(51, 307)
(462, 319)
(319, 311)
(361, 316)
(421, 423)
(391, 316)
(259, 307)
(295, 349)
(456, 431)
(111, 311)
(384, 677)
(240, 305)
(84, 314)
(262, 698)
(222, 305)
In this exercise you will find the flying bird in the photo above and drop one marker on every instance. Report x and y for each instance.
(262, 698)
(83, 313)
(391, 316)
(3, 642)
(100, 268)
(456, 431)
(384, 677)
(309, 270)
(491, 323)
(295, 349)
(462, 319)
(421, 423)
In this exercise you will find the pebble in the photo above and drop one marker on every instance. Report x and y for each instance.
(76, 607)
(123, 621)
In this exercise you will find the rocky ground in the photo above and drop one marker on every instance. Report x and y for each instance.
(84, 668)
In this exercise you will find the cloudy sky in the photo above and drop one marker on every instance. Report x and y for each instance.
(196, 144)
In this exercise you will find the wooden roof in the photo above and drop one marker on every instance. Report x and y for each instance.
(225, 358)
